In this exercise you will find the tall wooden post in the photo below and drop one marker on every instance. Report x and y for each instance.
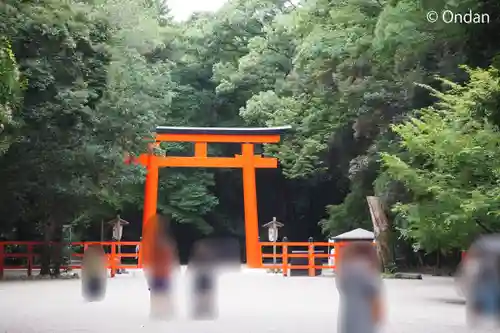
(382, 231)
(253, 250)
(151, 191)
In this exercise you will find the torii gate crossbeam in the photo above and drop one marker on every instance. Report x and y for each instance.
(247, 161)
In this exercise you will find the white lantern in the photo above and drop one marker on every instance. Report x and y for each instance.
(273, 234)
(117, 231)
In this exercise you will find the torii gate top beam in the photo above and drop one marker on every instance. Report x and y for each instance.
(220, 134)
(201, 136)
(222, 130)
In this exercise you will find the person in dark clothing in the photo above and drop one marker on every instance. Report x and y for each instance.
(203, 265)
(94, 273)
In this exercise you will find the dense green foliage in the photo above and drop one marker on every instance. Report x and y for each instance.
(82, 82)
(449, 161)
(10, 85)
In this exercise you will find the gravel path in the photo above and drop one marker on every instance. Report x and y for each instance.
(250, 302)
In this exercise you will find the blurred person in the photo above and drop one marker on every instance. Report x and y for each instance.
(466, 271)
(94, 273)
(159, 261)
(227, 252)
(202, 266)
(480, 281)
(359, 284)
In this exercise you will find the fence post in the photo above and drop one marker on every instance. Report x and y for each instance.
(1, 260)
(139, 254)
(261, 259)
(311, 260)
(284, 256)
(30, 259)
(113, 259)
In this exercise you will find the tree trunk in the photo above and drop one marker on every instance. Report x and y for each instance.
(47, 238)
(57, 259)
(57, 249)
(382, 232)
(420, 259)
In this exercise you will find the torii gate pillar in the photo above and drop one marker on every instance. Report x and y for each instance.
(247, 161)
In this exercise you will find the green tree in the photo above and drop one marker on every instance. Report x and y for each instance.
(450, 165)
(10, 91)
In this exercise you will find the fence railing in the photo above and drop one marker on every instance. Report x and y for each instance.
(124, 255)
(26, 255)
(284, 253)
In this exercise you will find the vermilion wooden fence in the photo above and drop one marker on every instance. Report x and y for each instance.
(27, 250)
(287, 247)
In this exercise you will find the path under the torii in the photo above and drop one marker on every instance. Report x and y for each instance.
(249, 302)
(247, 161)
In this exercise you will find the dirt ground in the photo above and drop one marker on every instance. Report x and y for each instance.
(249, 302)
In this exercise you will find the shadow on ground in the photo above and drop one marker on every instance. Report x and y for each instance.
(452, 301)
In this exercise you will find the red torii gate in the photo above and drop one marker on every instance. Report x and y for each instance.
(247, 161)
